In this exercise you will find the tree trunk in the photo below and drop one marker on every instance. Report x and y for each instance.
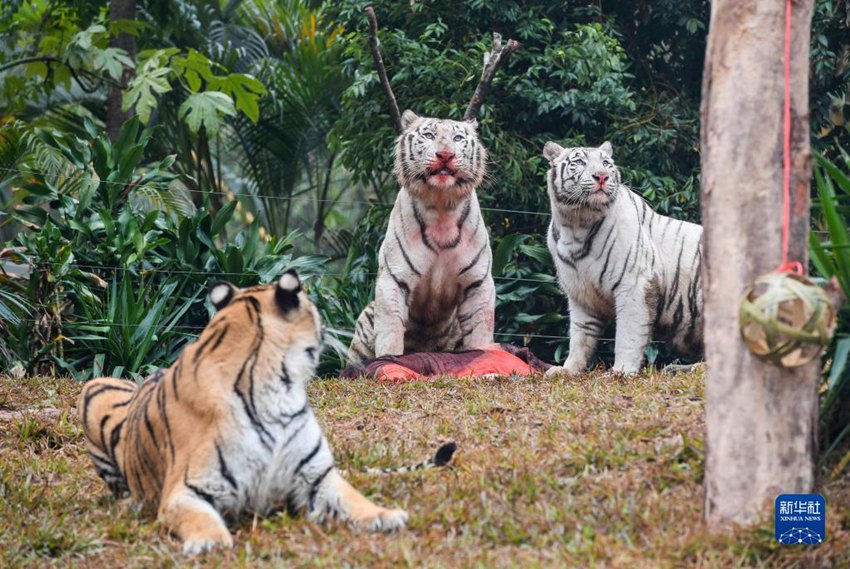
(761, 419)
(115, 117)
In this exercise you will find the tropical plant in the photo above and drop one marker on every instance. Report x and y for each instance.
(272, 156)
(830, 253)
(115, 280)
(197, 75)
(528, 303)
(285, 162)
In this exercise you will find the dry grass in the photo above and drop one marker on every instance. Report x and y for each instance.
(589, 472)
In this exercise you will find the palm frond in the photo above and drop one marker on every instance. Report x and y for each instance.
(236, 47)
(172, 199)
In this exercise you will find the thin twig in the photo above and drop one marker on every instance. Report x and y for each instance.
(76, 73)
(492, 60)
(382, 71)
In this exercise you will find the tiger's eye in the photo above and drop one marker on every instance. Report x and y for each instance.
(458, 137)
(428, 135)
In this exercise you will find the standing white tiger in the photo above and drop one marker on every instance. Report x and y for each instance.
(434, 290)
(618, 260)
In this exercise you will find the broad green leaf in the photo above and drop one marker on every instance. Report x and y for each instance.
(206, 109)
(838, 233)
(245, 90)
(839, 361)
(840, 177)
(819, 255)
(126, 137)
(97, 365)
(234, 264)
(222, 216)
(36, 69)
(503, 252)
(83, 45)
(113, 61)
(131, 27)
(144, 89)
(195, 68)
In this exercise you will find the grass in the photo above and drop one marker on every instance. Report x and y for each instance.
(588, 472)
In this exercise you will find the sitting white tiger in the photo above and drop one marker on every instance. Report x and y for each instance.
(434, 290)
(618, 260)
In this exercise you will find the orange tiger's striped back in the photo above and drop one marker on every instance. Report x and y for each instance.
(102, 409)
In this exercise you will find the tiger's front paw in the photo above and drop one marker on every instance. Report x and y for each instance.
(554, 371)
(382, 519)
(623, 371)
(565, 370)
(197, 544)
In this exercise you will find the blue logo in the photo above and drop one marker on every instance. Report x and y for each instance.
(800, 519)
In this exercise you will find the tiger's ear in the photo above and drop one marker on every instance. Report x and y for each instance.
(221, 293)
(473, 124)
(408, 117)
(286, 291)
(551, 151)
(607, 149)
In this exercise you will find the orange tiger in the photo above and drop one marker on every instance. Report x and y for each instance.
(227, 429)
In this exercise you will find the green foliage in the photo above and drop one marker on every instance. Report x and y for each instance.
(528, 301)
(573, 80)
(830, 77)
(284, 159)
(829, 246)
(243, 90)
(52, 48)
(246, 106)
(345, 293)
(113, 285)
(150, 81)
(136, 327)
(220, 133)
(211, 97)
(206, 110)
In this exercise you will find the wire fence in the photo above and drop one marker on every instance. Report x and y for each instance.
(365, 203)
(183, 188)
(212, 274)
(94, 325)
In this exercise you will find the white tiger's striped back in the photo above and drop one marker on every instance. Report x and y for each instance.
(618, 260)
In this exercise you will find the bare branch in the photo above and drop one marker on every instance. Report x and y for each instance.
(492, 61)
(382, 72)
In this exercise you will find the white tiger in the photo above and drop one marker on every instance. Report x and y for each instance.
(618, 260)
(434, 290)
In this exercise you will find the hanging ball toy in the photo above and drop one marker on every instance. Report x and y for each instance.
(786, 319)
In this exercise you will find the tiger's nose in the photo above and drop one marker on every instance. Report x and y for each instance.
(600, 177)
(445, 155)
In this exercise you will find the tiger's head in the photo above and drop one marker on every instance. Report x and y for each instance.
(271, 332)
(439, 160)
(582, 178)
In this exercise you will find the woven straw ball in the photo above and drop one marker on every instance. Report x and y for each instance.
(786, 319)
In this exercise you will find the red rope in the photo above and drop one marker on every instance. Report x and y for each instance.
(787, 266)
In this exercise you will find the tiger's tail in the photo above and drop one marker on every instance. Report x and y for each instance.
(442, 457)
